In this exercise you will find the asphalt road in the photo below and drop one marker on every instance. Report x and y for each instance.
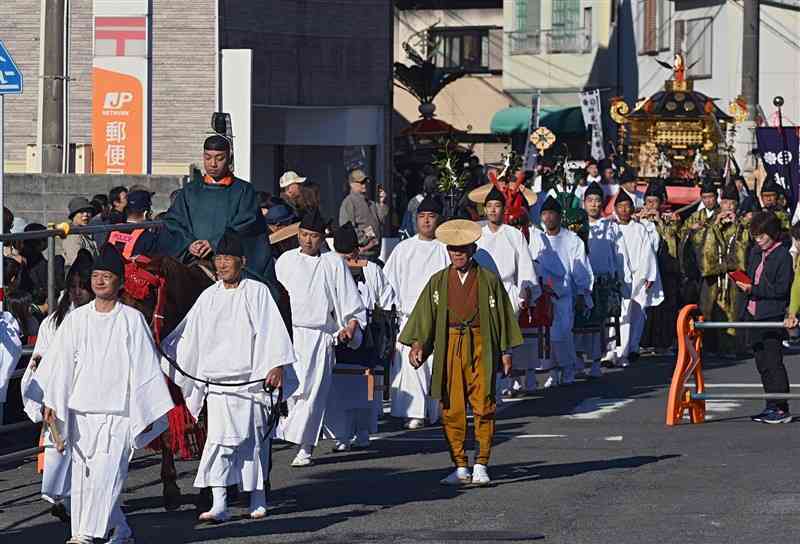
(592, 463)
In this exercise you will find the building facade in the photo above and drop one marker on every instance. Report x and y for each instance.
(309, 82)
(468, 36)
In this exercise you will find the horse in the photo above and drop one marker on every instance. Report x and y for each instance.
(164, 290)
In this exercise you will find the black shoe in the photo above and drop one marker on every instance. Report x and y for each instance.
(172, 496)
(60, 511)
(759, 418)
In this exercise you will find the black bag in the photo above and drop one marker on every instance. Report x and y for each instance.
(380, 337)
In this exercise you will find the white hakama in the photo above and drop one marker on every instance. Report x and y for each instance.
(603, 258)
(324, 299)
(507, 254)
(57, 473)
(231, 335)
(637, 260)
(566, 270)
(350, 414)
(410, 266)
(110, 397)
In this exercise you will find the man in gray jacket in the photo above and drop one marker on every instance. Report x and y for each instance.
(363, 214)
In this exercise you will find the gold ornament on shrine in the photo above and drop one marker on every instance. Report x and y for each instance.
(678, 122)
(738, 109)
(543, 139)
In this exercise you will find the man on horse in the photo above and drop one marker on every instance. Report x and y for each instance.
(205, 209)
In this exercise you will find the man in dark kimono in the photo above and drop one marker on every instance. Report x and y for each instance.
(204, 209)
(465, 318)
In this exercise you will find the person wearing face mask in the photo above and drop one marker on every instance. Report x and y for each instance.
(769, 270)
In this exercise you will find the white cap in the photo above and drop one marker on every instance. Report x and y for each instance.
(289, 178)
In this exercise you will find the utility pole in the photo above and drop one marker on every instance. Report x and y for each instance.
(750, 35)
(51, 106)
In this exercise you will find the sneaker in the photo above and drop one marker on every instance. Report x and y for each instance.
(459, 476)
(759, 418)
(416, 423)
(302, 459)
(777, 416)
(340, 447)
(480, 476)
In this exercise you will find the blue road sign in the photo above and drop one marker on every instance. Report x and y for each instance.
(10, 76)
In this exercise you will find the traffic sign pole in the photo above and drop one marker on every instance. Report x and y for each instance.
(2, 195)
(10, 83)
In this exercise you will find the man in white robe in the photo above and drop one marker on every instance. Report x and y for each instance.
(233, 333)
(351, 417)
(566, 271)
(57, 470)
(641, 283)
(326, 308)
(504, 250)
(603, 247)
(108, 396)
(408, 270)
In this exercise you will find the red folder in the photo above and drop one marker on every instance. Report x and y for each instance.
(741, 277)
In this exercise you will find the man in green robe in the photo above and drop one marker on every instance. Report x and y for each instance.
(465, 318)
(206, 208)
(722, 247)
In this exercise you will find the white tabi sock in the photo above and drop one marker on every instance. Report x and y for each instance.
(220, 504)
(258, 501)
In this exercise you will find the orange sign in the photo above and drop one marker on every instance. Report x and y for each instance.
(118, 108)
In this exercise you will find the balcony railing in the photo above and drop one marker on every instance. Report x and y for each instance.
(552, 41)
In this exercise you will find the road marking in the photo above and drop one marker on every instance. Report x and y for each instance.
(613, 439)
(535, 435)
(597, 407)
(718, 407)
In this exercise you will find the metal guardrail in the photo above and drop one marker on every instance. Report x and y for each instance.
(63, 230)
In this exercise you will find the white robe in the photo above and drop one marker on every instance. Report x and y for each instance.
(110, 397)
(233, 335)
(506, 253)
(564, 267)
(603, 258)
(408, 270)
(349, 412)
(57, 473)
(324, 299)
(637, 260)
(10, 351)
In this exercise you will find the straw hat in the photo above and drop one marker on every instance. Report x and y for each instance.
(285, 233)
(458, 232)
(478, 196)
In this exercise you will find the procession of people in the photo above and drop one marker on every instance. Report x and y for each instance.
(288, 342)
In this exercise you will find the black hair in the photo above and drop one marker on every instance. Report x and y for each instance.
(264, 199)
(113, 194)
(217, 142)
(766, 222)
(64, 302)
(8, 219)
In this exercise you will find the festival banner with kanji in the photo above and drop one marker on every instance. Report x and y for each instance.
(120, 99)
(780, 150)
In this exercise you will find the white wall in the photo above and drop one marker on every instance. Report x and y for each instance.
(237, 100)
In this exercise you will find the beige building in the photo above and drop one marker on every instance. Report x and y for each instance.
(468, 35)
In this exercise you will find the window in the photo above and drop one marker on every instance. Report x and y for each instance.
(653, 26)
(694, 38)
(475, 50)
(566, 14)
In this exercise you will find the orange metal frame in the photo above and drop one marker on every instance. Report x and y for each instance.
(689, 363)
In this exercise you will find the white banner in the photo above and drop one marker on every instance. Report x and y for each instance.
(593, 119)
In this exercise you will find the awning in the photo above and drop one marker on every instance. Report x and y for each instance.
(562, 121)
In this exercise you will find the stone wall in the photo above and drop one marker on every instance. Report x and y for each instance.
(43, 198)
